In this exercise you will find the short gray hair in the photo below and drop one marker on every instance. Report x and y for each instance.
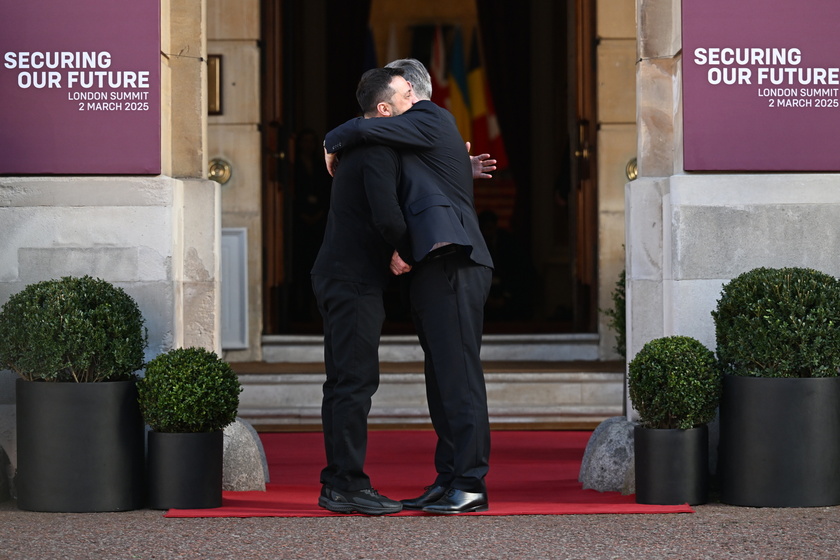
(415, 73)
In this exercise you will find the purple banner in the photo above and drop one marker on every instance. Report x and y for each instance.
(80, 87)
(761, 85)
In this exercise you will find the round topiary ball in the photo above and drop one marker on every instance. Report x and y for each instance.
(675, 383)
(188, 390)
(72, 329)
(781, 322)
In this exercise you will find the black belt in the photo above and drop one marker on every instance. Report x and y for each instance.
(442, 252)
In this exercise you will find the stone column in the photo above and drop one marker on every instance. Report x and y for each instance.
(233, 31)
(659, 149)
(197, 234)
(616, 57)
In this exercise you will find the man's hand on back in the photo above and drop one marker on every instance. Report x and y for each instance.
(332, 162)
(399, 266)
(482, 165)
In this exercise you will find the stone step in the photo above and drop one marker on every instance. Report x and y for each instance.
(521, 395)
(405, 348)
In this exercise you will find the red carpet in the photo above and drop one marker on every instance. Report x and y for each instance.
(531, 473)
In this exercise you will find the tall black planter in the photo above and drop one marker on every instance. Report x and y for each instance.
(672, 466)
(780, 442)
(185, 470)
(80, 447)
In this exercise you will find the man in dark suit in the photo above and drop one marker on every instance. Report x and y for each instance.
(449, 286)
(364, 227)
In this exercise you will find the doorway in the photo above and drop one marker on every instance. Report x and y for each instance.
(538, 59)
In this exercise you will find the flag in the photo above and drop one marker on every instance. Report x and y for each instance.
(459, 103)
(486, 137)
(437, 69)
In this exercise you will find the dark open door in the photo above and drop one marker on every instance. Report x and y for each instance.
(275, 169)
(584, 174)
(298, 47)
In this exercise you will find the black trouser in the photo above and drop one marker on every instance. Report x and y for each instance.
(447, 299)
(353, 315)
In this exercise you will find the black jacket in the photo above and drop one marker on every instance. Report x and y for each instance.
(365, 223)
(436, 189)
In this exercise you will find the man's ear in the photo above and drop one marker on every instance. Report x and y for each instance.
(383, 109)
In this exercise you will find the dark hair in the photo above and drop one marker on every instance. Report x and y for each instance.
(375, 87)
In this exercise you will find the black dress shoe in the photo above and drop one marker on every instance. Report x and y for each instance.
(458, 501)
(432, 494)
(366, 500)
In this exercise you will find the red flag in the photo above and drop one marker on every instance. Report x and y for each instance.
(486, 136)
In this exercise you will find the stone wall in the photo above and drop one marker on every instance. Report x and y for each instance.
(155, 237)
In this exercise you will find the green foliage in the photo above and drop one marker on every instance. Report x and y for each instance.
(188, 390)
(72, 329)
(675, 383)
(779, 323)
(618, 315)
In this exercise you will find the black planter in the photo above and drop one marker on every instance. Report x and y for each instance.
(185, 470)
(672, 466)
(80, 447)
(780, 442)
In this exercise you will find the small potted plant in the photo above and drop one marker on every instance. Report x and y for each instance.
(187, 397)
(778, 342)
(76, 344)
(675, 386)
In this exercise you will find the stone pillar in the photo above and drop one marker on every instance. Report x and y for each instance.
(197, 237)
(616, 57)
(233, 31)
(659, 145)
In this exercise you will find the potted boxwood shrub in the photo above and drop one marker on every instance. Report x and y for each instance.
(187, 397)
(76, 344)
(778, 340)
(675, 386)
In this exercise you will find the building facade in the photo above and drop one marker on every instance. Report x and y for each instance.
(680, 235)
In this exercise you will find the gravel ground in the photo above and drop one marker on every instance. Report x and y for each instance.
(714, 531)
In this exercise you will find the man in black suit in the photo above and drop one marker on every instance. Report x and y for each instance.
(364, 227)
(449, 285)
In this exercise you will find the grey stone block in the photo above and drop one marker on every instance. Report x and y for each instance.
(8, 380)
(608, 456)
(629, 479)
(113, 263)
(245, 467)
